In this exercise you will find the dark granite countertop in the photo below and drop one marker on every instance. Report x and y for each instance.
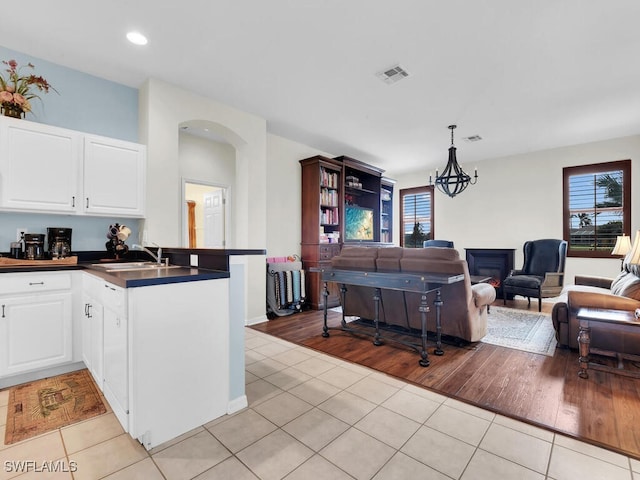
(160, 276)
(128, 279)
(209, 266)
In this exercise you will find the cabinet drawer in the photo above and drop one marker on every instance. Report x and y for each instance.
(326, 252)
(11, 283)
(114, 298)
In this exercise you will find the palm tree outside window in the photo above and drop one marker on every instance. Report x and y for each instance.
(596, 206)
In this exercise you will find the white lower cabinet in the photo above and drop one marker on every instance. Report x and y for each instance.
(115, 350)
(160, 343)
(148, 348)
(179, 348)
(97, 343)
(35, 322)
(92, 328)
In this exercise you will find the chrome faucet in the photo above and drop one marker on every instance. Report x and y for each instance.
(157, 257)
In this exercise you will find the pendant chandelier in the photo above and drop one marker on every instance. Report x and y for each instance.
(453, 179)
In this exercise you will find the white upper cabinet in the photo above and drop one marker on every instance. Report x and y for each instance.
(114, 177)
(39, 167)
(54, 170)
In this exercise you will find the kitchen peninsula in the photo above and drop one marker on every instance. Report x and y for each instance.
(156, 339)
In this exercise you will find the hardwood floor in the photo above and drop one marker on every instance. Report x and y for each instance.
(541, 390)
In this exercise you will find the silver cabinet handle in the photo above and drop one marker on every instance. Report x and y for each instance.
(35, 283)
(3, 311)
(87, 202)
(73, 202)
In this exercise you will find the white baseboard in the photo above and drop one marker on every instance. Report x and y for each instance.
(256, 320)
(237, 404)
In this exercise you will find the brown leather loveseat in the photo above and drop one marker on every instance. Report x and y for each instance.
(621, 293)
(464, 313)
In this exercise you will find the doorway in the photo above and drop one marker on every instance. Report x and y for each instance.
(205, 215)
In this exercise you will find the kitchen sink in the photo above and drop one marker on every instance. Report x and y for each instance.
(132, 266)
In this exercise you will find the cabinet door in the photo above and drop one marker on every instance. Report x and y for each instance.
(86, 330)
(38, 166)
(114, 177)
(92, 338)
(96, 323)
(35, 332)
(116, 378)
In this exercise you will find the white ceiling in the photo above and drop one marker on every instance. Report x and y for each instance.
(525, 75)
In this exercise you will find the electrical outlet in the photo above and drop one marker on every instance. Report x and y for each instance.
(19, 233)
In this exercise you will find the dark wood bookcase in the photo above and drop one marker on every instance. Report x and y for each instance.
(386, 210)
(322, 198)
(344, 201)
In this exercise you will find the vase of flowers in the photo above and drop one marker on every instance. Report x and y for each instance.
(16, 89)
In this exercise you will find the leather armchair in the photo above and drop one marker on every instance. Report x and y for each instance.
(542, 275)
(622, 293)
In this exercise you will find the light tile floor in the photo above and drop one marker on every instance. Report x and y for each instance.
(312, 416)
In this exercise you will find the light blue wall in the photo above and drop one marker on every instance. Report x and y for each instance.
(89, 233)
(88, 104)
(83, 102)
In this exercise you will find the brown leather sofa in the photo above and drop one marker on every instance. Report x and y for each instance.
(464, 313)
(621, 293)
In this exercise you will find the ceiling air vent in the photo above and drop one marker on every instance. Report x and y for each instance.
(392, 75)
(473, 138)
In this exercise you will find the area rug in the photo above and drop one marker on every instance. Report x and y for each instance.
(44, 405)
(522, 330)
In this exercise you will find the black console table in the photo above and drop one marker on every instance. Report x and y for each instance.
(422, 283)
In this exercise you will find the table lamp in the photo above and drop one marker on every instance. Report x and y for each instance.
(622, 247)
(634, 259)
(635, 250)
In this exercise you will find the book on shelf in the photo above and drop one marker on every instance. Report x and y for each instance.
(329, 216)
(328, 179)
(328, 197)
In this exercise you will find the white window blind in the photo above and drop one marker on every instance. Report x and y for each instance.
(417, 216)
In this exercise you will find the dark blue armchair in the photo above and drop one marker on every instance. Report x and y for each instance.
(542, 275)
(437, 243)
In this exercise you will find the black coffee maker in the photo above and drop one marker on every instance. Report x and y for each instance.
(59, 242)
(34, 246)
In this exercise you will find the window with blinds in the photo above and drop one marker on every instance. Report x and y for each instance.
(597, 207)
(416, 219)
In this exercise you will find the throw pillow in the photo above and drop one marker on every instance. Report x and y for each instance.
(626, 285)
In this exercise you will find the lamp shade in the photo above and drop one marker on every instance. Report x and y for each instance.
(634, 256)
(623, 245)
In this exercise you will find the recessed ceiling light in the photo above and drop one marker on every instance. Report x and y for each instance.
(137, 38)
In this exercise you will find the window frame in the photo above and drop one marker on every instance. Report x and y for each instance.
(595, 168)
(415, 191)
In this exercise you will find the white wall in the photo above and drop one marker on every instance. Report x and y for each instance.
(206, 160)
(519, 198)
(163, 108)
(284, 179)
(212, 163)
